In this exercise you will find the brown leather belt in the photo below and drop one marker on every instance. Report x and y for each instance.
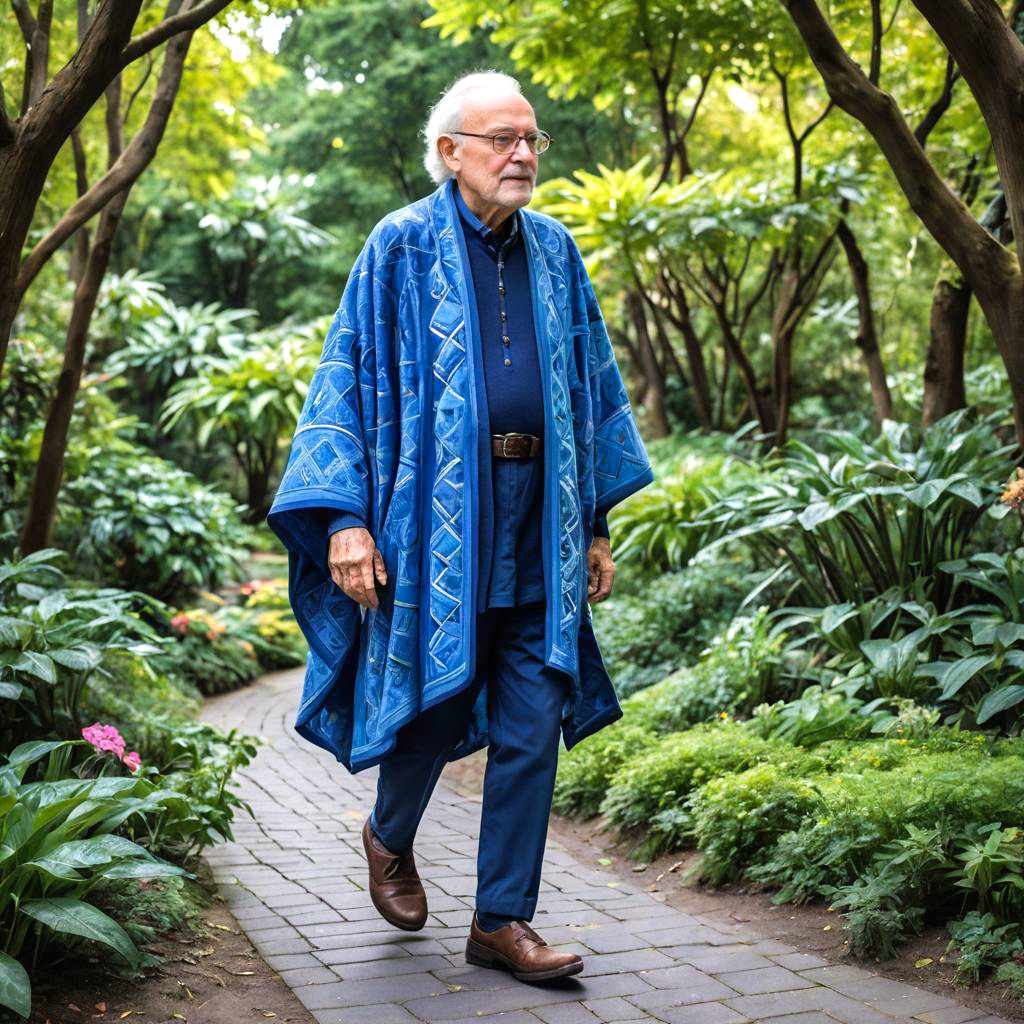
(516, 446)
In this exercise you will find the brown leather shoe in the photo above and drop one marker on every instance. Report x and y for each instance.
(395, 886)
(519, 948)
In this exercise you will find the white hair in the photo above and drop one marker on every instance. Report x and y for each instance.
(446, 115)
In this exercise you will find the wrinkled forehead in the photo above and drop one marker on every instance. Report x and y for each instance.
(491, 110)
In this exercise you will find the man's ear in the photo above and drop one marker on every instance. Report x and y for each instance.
(448, 147)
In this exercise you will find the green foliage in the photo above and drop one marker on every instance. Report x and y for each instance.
(175, 343)
(642, 640)
(197, 805)
(982, 942)
(137, 521)
(1012, 974)
(54, 639)
(654, 528)
(584, 771)
(738, 818)
(814, 716)
(860, 518)
(57, 842)
(877, 917)
(667, 774)
(250, 401)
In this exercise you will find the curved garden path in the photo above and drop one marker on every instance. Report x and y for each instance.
(295, 878)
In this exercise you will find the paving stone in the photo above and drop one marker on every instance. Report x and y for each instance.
(307, 976)
(701, 1013)
(799, 961)
(613, 1008)
(764, 979)
(634, 960)
(296, 878)
(718, 959)
(777, 1004)
(378, 1013)
(370, 990)
(952, 1015)
(566, 1013)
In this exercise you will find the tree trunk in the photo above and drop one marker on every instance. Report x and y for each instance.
(867, 337)
(49, 471)
(653, 399)
(944, 388)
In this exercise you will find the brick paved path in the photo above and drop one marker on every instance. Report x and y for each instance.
(296, 880)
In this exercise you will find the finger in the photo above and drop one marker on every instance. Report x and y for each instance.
(381, 569)
(368, 584)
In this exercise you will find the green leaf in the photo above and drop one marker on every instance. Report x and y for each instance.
(67, 859)
(1000, 700)
(73, 917)
(962, 672)
(11, 691)
(15, 987)
(36, 664)
(52, 604)
(81, 658)
(27, 753)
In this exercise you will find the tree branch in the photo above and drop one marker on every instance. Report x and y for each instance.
(991, 59)
(875, 74)
(983, 261)
(127, 166)
(6, 125)
(940, 106)
(181, 22)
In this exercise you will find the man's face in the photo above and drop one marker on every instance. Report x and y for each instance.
(494, 180)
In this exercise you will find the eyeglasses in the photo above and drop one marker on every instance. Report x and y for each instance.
(505, 142)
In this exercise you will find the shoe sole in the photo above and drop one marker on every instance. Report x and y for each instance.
(404, 925)
(484, 957)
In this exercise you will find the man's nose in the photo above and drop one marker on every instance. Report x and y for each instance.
(525, 152)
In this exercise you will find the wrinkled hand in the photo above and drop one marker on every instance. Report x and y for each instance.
(353, 559)
(600, 569)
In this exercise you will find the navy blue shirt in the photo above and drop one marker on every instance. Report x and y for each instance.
(515, 403)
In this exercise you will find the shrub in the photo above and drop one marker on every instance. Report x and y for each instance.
(644, 640)
(139, 522)
(584, 771)
(739, 668)
(666, 775)
(55, 639)
(878, 916)
(56, 843)
(815, 716)
(982, 942)
(738, 818)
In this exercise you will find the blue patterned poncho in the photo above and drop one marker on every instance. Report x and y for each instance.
(395, 427)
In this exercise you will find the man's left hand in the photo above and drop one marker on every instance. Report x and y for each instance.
(600, 569)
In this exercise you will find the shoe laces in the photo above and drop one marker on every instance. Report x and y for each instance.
(526, 932)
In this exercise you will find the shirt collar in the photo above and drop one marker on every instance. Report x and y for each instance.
(470, 218)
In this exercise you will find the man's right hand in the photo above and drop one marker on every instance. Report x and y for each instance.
(353, 558)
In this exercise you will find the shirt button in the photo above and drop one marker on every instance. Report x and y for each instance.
(508, 362)
(504, 338)
(504, 315)
(501, 289)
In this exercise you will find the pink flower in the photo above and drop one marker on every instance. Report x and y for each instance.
(104, 738)
(180, 623)
(132, 760)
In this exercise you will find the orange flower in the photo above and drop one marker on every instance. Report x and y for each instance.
(1013, 493)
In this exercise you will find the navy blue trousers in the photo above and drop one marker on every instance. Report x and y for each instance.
(524, 711)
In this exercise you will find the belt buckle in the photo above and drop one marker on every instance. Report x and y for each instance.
(504, 443)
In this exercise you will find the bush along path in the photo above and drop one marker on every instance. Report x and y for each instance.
(295, 878)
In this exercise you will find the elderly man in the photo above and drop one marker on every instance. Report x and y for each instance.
(443, 506)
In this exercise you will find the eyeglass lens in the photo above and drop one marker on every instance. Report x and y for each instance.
(537, 141)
